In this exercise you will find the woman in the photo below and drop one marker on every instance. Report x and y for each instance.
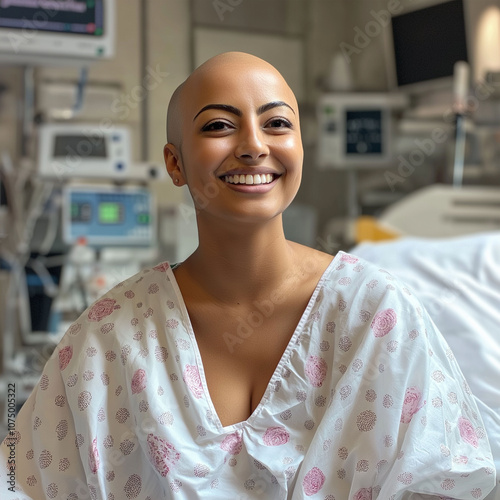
(257, 368)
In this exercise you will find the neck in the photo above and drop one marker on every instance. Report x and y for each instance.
(243, 262)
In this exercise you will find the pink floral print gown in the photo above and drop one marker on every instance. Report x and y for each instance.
(366, 402)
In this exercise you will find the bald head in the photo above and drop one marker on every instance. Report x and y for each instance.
(174, 117)
(216, 68)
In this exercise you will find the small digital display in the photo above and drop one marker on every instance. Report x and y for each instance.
(81, 212)
(143, 218)
(79, 145)
(110, 212)
(84, 17)
(363, 132)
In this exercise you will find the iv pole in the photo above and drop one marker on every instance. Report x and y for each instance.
(460, 91)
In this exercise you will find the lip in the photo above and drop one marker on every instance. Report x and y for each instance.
(251, 188)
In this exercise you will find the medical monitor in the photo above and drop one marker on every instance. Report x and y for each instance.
(117, 216)
(55, 32)
(78, 150)
(427, 43)
(355, 129)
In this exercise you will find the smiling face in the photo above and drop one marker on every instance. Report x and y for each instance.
(240, 151)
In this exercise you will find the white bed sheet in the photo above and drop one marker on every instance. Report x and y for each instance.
(458, 281)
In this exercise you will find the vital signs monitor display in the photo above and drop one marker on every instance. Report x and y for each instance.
(74, 16)
(56, 29)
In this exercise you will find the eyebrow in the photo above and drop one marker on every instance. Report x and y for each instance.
(237, 112)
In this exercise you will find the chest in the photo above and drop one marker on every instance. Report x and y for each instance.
(240, 350)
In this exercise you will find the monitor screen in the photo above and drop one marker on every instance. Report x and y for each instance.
(364, 134)
(110, 212)
(428, 42)
(79, 145)
(81, 17)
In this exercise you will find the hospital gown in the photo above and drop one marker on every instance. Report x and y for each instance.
(366, 402)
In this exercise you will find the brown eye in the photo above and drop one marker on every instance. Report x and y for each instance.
(279, 123)
(215, 126)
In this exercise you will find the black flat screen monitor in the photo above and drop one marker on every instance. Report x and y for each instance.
(428, 42)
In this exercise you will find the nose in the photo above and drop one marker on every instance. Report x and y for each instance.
(252, 143)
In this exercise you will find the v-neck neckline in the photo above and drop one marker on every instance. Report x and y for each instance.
(279, 367)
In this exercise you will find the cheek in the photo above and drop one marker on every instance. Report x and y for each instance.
(291, 154)
(207, 154)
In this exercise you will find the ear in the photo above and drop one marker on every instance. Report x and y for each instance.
(173, 163)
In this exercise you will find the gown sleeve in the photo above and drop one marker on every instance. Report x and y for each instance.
(402, 423)
(443, 448)
(75, 437)
(431, 441)
(44, 448)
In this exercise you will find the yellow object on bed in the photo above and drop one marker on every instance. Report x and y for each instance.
(369, 229)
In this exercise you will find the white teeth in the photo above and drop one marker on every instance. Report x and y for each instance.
(249, 179)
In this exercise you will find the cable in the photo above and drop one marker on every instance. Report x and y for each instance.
(80, 93)
(14, 203)
(24, 305)
(51, 231)
(49, 286)
(41, 194)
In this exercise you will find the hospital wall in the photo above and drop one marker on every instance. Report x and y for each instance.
(314, 29)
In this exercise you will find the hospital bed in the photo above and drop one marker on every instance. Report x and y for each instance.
(444, 243)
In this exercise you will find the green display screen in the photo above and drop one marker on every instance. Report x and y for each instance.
(143, 218)
(110, 213)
